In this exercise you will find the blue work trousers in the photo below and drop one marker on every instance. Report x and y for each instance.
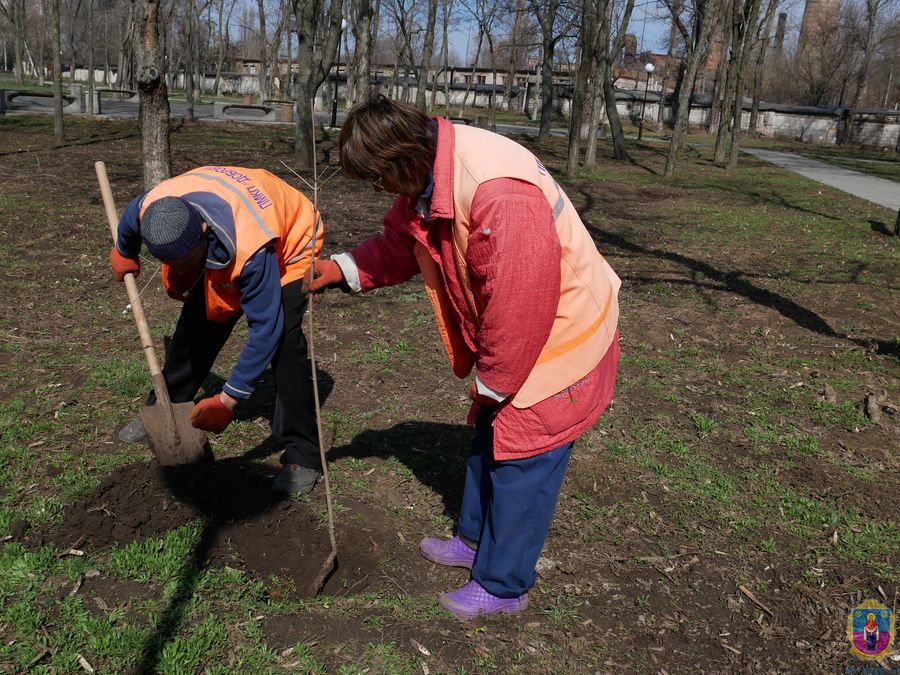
(507, 508)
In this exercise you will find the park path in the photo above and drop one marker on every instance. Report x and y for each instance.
(880, 191)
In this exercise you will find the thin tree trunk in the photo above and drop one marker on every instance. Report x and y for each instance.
(59, 129)
(620, 150)
(427, 50)
(90, 82)
(515, 52)
(743, 43)
(472, 75)
(872, 7)
(189, 59)
(587, 44)
(697, 48)
(667, 73)
(263, 46)
(548, 47)
(719, 99)
(760, 64)
(42, 49)
(154, 102)
(728, 87)
(448, 74)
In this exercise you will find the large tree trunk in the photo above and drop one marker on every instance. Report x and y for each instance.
(726, 101)
(311, 69)
(154, 102)
(59, 129)
(365, 44)
(427, 51)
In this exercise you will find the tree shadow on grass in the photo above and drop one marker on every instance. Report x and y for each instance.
(882, 228)
(223, 492)
(435, 453)
(736, 282)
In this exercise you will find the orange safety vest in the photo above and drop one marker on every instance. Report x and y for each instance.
(588, 310)
(265, 210)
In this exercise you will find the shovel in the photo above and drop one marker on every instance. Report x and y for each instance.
(168, 424)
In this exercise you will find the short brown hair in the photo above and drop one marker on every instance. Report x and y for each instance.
(387, 139)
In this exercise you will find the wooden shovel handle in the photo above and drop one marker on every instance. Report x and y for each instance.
(134, 296)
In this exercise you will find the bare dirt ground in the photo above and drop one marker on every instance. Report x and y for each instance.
(724, 516)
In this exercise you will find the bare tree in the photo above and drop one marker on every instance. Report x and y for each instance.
(154, 101)
(312, 67)
(547, 13)
(743, 15)
(694, 23)
(427, 51)
(361, 15)
(59, 129)
(224, 11)
(516, 49)
(587, 47)
(613, 50)
(762, 48)
(872, 9)
(14, 12)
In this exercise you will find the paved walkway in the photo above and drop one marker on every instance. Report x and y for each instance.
(880, 191)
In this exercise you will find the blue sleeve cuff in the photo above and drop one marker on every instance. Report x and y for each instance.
(128, 239)
(260, 283)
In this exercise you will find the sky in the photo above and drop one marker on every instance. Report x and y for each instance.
(649, 23)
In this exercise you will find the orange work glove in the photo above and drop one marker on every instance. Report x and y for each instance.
(211, 414)
(328, 275)
(122, 265)
(481, 399)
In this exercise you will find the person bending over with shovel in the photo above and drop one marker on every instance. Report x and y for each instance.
(520, 294)
(233, 241)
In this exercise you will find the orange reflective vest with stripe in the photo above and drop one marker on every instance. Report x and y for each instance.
(588, 310)
(263, 209)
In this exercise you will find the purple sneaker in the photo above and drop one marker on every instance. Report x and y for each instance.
(453, 552)
(472, 601)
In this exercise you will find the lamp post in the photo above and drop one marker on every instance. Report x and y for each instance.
(337, 73)
(649, 68)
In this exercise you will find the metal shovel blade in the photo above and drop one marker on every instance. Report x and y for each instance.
(182, 444)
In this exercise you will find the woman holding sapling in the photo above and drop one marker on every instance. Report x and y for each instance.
(521, 296)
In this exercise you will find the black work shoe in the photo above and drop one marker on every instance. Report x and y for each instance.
(133, 432)
(294, 479)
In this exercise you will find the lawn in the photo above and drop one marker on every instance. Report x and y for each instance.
(726, 514)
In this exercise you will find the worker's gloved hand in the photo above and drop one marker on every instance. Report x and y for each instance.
(211, 414)
(481, 399)
(328, 275)
(122, 265)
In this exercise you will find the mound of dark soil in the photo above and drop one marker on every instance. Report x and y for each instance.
(246, 524)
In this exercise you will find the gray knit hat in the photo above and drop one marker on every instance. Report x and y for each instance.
(171, 228)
